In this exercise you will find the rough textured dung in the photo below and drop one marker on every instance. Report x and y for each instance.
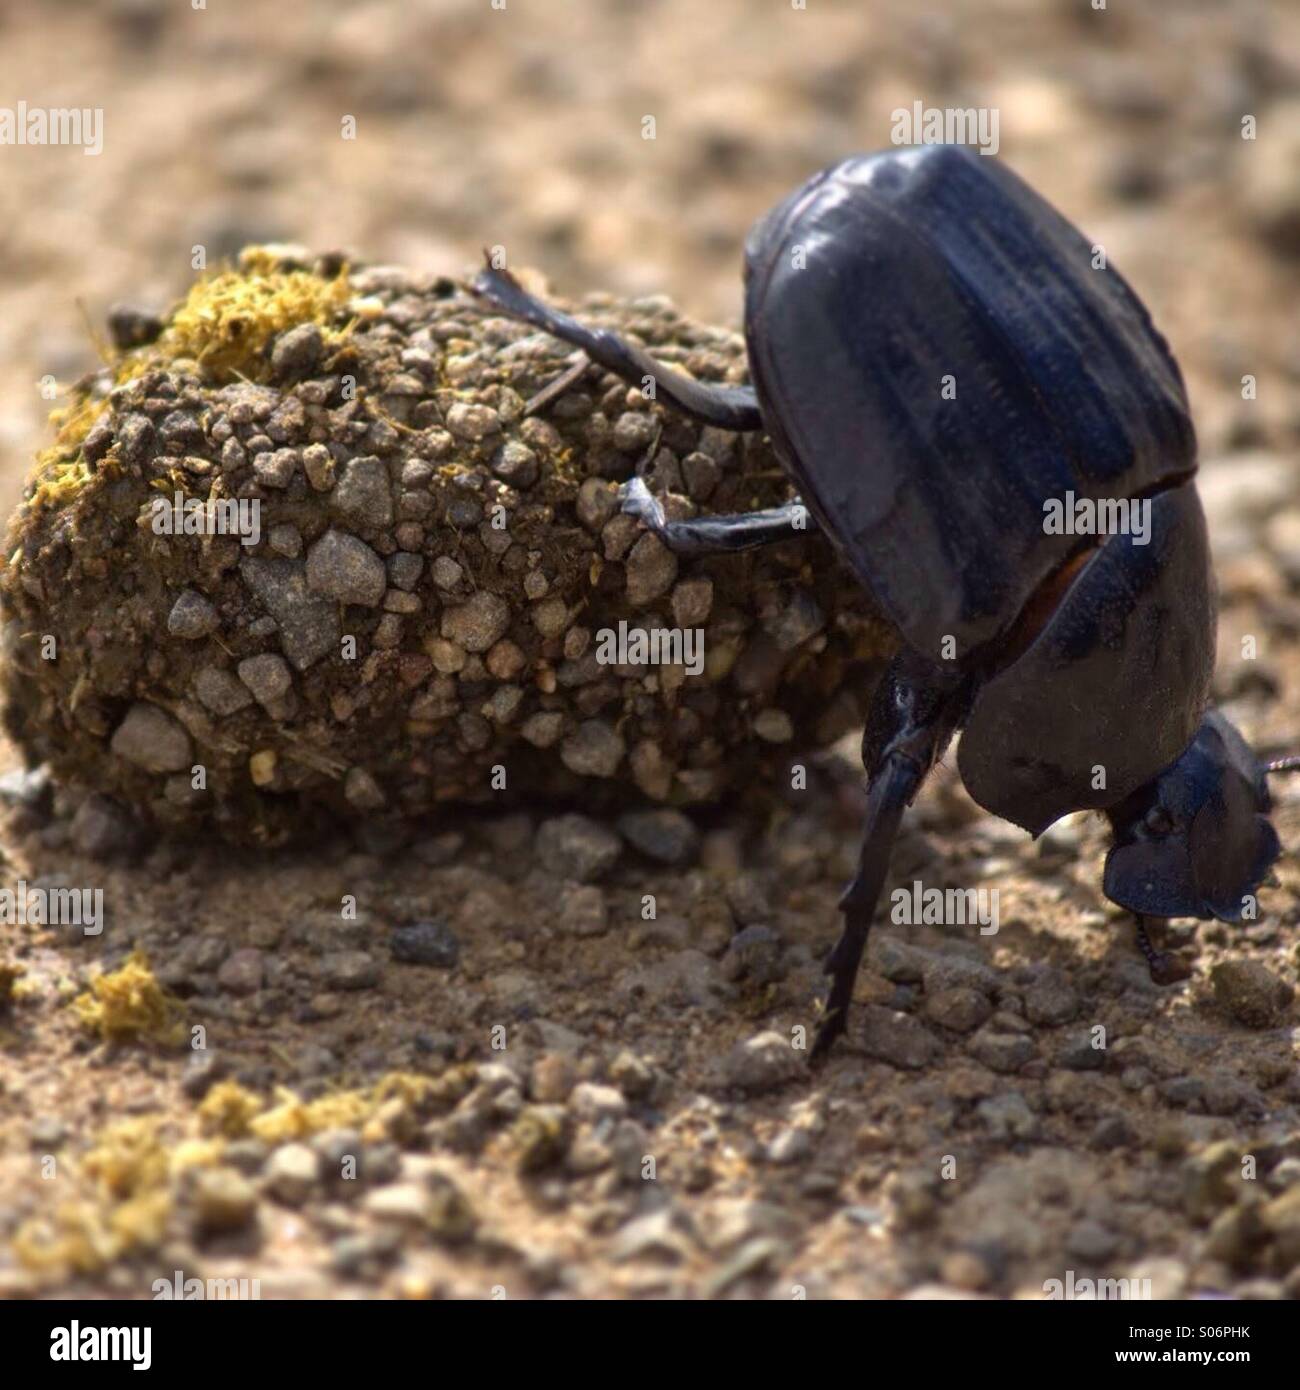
(419, 618)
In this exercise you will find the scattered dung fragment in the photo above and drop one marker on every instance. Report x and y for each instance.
(128, 1004)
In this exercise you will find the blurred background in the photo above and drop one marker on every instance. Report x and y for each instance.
(523, 125)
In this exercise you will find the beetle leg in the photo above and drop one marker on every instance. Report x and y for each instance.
(728, 407)
(891, 789)
(1165, 969)
(715, 535)
(913, 714)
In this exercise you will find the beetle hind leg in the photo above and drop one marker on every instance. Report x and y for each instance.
(728, 407)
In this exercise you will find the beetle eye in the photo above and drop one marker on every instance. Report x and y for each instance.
(1158, 822)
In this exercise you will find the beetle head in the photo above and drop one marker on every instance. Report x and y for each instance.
(1196, 841)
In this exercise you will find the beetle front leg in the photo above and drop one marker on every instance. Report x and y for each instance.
(728, 407)
(715, 535)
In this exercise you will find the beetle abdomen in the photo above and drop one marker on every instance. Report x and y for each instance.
(1130, 647)
(936, 358)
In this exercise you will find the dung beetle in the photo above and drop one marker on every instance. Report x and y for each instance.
(940, 359)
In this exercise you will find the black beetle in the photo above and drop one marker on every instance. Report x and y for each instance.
(939, 360)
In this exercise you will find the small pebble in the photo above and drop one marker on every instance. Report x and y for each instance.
(1078, 1052)
(243, 971)
(350, 969)
(104, 829)
(897, 1038)
(594, 749)
(426, 943)
(583, 911)
(151, 739)
(575, 847)
(191, 616)
(1002, 1052)
(221, 692)
(297, 351)
(755, 954)
(363, 493)
(267, 676)
(762, 1063)
(960, 1008)
(292, 1174)
(1051, 999)
(472, 422)
(1007, 1116)
(224, 1201)
(667, 836)
(478, 623)
(651, 570)
(343, 567)
(1250, 993)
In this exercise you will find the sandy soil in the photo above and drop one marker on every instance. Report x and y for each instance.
(616, 1110)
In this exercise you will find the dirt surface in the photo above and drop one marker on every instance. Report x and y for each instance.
(505, 1078)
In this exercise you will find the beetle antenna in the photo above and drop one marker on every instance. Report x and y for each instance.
(1291, 764)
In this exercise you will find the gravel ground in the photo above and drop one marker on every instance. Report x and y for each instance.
(499, 1073)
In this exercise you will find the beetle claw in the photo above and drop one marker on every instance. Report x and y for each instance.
(1164, 968)
(1168, 969)
(828, 1030)
(638, 501)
